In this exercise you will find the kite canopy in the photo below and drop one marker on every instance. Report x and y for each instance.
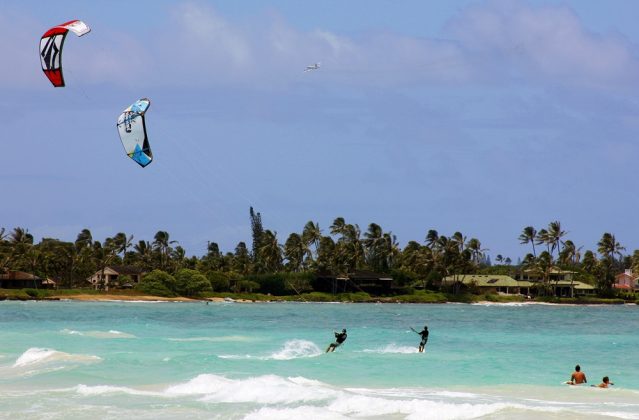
(51, 48)
(132, 130)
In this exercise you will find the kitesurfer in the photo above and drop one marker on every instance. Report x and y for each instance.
(424, 334)
(339, 339)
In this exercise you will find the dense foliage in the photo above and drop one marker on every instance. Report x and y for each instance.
(269, 266)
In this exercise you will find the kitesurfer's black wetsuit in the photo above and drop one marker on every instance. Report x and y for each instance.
(339, 339)
(424, 335)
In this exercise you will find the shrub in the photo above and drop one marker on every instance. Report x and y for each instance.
(34, 293)
(220, 282)
(157, 283)
(246, 286)
(191, 282)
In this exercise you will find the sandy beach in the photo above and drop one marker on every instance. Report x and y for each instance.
(145, 298)
(117, 297)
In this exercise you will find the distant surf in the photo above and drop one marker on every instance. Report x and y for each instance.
(292, 349)
(36, 355)
(99, 334)
(220, 339)
(392, 348)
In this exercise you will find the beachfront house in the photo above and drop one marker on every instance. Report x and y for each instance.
(627, 281)
(109, 277)
(562, 283)
(572, 288)
(23, 280)
(357, 281)
(528, 284)
(555, 274)
(484, 283)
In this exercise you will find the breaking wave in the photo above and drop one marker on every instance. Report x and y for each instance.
(38, 356)
(293, 349)
(99, 334)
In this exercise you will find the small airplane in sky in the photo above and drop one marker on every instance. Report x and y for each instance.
(315, 66)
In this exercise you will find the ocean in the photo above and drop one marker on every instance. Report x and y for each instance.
(227, 360)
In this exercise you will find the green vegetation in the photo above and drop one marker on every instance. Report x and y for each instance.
(269, 270)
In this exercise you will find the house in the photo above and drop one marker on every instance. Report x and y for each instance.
(555, 274)
(358, 281)
(562, 283)
(103, 279)
(23, 280)
(626, 281)
(491, 283)
(486, 283)
(573, 288)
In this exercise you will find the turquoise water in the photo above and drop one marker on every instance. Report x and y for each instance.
(261, 361)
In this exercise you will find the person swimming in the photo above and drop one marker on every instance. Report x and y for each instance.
(605, 383)
(578, 377)
(339, 339)
(424, 335)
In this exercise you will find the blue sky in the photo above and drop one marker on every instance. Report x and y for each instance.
(477, 116)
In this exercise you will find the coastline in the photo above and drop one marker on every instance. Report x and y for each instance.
(141, 298)
(314, 297)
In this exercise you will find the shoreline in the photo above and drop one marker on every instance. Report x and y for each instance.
(110, 297)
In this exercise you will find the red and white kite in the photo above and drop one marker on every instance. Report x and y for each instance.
(51, 48)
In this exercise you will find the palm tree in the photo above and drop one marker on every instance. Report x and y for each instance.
(178, 257)
(391, 251)
(103, 255)
(338, 227)
(543, 238)
(242, 259)
(570, 255)
(545, 265)
(459, 239)
(84, 239)
(294, 251)
(311, 235)
(474, 246)
(431, 238)
(328, 258)
(554, 236)
(21, 236)
(144, 253)
(589, 263)
(122, 242)
(349, 251)
(270, 252)
(528, 236)
(609, 247)
(162, 244)
(374, 246)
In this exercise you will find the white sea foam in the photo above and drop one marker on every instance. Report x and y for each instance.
(294, 398)
(86, 390)
(99, 334)
(296, 413)
(36, 356)
(392, 348)
(293, 349)
(275, 397)
(221, 339)
(267, 389)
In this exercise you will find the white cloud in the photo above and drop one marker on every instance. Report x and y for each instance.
(544, 42)
(489, 42)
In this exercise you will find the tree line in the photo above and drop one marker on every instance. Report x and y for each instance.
(339, 249)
